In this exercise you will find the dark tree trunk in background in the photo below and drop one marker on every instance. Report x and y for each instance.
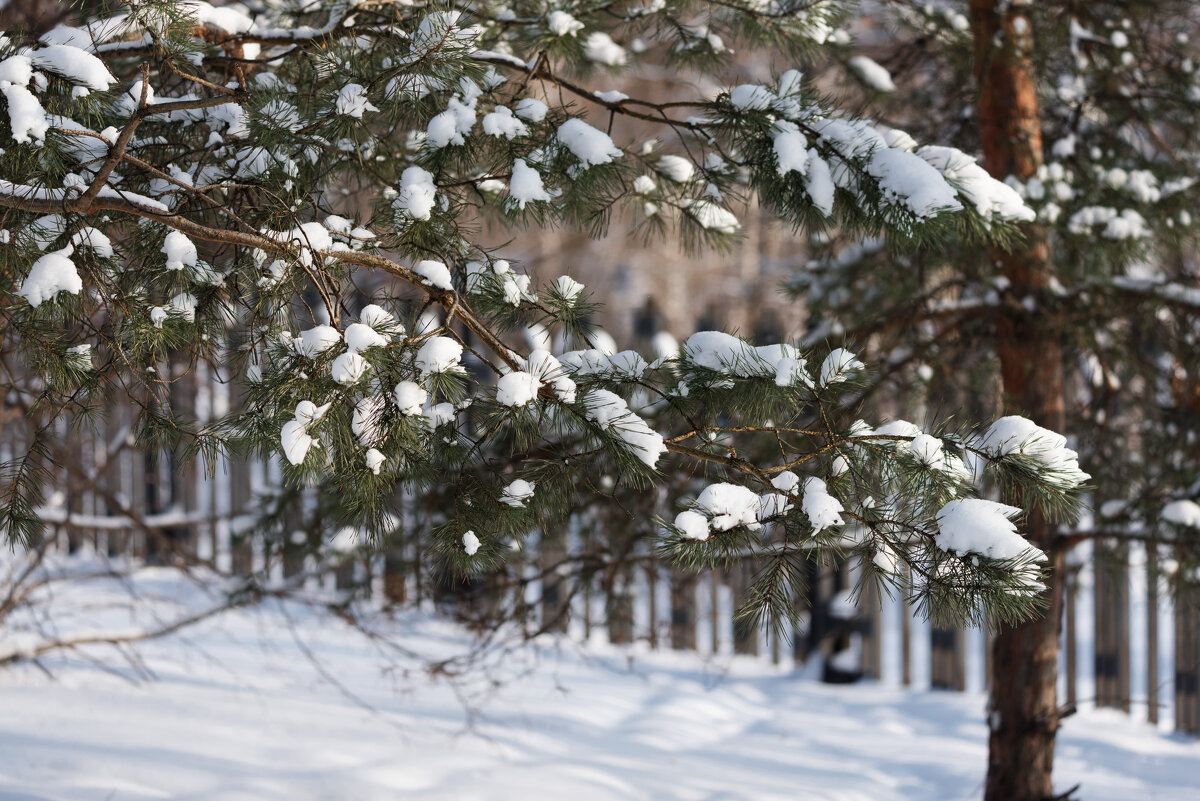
(1022, 709)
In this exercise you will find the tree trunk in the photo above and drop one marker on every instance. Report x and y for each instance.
(1022, 709)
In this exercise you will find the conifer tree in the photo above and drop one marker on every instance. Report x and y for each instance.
(1088, 326)
(179, 178)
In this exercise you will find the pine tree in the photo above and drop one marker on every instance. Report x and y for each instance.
(1088, 325)
(188, 182)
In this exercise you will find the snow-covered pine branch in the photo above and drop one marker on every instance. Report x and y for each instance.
(190, 179)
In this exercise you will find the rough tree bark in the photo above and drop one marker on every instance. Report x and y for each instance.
(1023, 715)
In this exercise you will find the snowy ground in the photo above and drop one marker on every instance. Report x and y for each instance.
(283, 701)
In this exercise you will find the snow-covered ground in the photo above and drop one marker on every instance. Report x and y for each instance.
(286, 701)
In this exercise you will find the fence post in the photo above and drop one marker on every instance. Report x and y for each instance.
(1071, 592)
(1152, 631)
(869, 628)
(802, 629)
(947, 658)
(683, 611)
(587, 578)
(745, 635)
(1112, 629)
(905, 630)
(618, 606)
(555, 609)
(1187, 665)
(652, 601)
(714, 611)
(344, 576)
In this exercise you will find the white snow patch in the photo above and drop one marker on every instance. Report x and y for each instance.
(51, 274)
(822, 509)
(439, 355)
(434, 273)
(590, 145)
(978, 526)
(517, 388)
(610, 412)
(517, 492)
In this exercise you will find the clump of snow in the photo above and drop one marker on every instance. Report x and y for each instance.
(179, 250)
(1183, 512)
(294, 436)
(352, 101)
(790, 371)
(822, 509)
(184, 305)
(819, 184)
(627, 365)
(985, 528)
(366, 419)
(560, 23)
(609, 411)
(711, 217)
(501, 122)
(309, 237)
(791, 149)
(434, 273)
(568, 288)
(548, 370)
(838, 365)
(601, 48)
(526, 185)
(26, 117)
(416, 194)
(590, 145)
(897, 428)
(16, 69)
(928, 450)
(439, 355)
(872, 74)
(531, 109)
(751, 97)
(439, 414)
(452, 125)
(349, 368)
(786, 482)
(74, 64)
(723, 353)
(517, 388)
(993, 200)
(1126, 224)
(410, 397)
(516, 493)
(1020, 436)
(374, 459)
(611, 96)
(360, 336)
(347, 540)
(677, 168)
(51, 274)
(931, 453)
(377, 317)
(316, 340)
(908, 180)
(692, 525)
(230, 19)
(730, 505)
(470, 543)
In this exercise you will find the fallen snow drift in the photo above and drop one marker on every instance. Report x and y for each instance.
(234, 709)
